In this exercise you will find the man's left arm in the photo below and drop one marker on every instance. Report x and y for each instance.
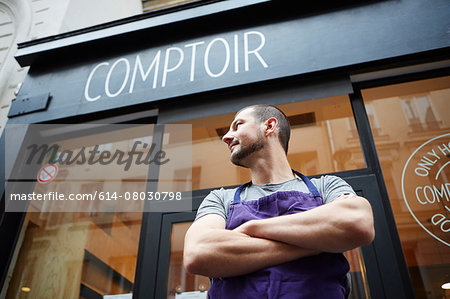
(338, 226)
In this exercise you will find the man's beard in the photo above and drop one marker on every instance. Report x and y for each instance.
(238, 158)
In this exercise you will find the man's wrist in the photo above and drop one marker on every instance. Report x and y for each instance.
(254, 228)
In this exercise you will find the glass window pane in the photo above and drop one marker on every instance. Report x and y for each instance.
(179, 280)
(323, 136)
(84, 253)
(359, 283)
(323, 140)
(411, 127)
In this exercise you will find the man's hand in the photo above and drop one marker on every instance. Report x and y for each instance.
(246, 228)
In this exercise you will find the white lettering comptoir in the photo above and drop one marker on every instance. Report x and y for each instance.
(218, 50)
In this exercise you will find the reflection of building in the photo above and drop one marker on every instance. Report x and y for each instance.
(408, 116)
(360, 101)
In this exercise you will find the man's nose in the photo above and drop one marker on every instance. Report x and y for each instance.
(227, 138)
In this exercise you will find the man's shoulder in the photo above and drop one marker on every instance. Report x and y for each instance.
(222, 195)
(326, 179)
(223, 191)
(331, 187)
(217, 202)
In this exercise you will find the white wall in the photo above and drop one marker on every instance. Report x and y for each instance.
(23, 20)
(85, 13)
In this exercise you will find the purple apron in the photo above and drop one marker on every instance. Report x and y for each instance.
(318, 276)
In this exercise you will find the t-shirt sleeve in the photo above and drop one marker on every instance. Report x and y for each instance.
(331, 187)
(212, 204)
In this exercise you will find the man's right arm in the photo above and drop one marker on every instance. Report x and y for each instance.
(213, 251)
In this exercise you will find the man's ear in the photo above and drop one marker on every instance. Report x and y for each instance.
(270, 126)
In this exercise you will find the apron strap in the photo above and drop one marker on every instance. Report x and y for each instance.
(309, 184)
(312, 188)
(237, 194)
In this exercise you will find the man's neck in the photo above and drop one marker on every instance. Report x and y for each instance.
(272, 169)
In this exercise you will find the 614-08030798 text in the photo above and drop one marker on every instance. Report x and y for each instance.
(141, 195)
(102, 195)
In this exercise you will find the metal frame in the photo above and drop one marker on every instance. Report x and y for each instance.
(147, 262)
(373, 163)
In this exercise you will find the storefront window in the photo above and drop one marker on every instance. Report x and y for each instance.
(411, 128)
(87, 250)
(323, 140)
(179, 281)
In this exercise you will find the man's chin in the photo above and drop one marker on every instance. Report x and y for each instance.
(237, 161)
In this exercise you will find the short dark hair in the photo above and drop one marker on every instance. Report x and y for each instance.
(264, 112)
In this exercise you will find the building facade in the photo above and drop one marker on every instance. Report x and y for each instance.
(365, 85)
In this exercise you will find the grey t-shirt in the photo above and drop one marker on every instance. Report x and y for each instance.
(219, 201)
(330, 187)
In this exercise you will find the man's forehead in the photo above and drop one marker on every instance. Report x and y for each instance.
(244, 113)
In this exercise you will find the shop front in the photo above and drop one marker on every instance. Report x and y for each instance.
(365, 85)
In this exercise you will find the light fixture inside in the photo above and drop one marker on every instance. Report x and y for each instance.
(446, 286)
(26, 289)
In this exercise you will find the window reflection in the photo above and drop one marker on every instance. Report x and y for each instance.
(420, 114)
(85, 251)
(179, 280)
(323, 140)
(410, 115)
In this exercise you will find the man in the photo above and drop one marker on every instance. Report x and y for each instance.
(278, 236)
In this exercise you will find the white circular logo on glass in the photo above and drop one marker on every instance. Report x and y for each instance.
(426, 187)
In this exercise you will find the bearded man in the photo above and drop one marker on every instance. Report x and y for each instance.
(280, 235)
